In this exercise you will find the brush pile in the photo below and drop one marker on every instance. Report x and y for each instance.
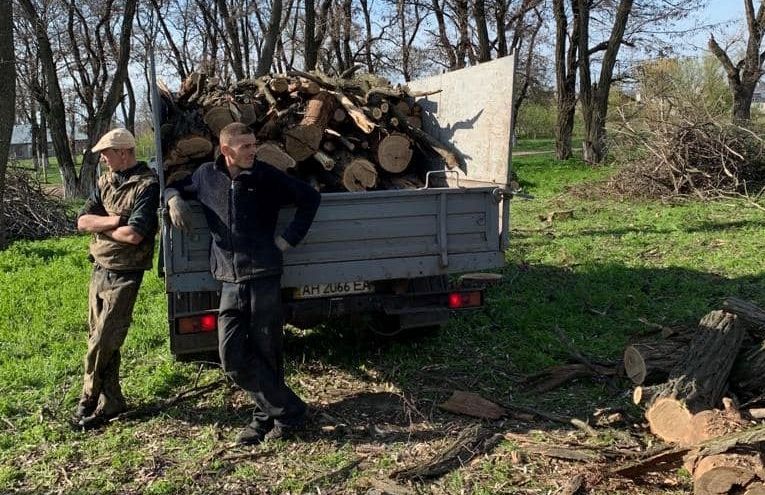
(339, 134)
(30, 212)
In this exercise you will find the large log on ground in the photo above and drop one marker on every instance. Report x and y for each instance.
(701, 376)
(697, 382)
(748, 311)
(651, 362)
(729, 464)
(748, 374)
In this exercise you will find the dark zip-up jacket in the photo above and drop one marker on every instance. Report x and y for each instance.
(242, 215)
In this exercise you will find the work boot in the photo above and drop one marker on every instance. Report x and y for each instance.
(85, 408)
(99, 418)
(253, 434)
(284, 432)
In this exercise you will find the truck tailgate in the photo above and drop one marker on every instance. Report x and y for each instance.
(375, 235)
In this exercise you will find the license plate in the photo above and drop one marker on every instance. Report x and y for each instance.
(333, 289)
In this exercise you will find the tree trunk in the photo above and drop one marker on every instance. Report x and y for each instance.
(701, 376)
(52, 102)
(7, 100)
(565, 77)
(744, 75)
(729, 464)
(594, 97)
(270, 38)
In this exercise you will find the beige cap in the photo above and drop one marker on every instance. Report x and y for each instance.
(120, 139)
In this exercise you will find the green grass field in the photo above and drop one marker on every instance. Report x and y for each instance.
(592, 276)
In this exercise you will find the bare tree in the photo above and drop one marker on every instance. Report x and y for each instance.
(566, 49)
(744, 75)
(48, 93)
(98, 67)
(7, 99)
(594, 96)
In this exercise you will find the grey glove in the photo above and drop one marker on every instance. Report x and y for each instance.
(281, 243)
(180, 211)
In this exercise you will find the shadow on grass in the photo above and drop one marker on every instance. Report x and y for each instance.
(490, 352)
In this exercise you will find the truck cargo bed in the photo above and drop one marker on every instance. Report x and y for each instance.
(375, 235)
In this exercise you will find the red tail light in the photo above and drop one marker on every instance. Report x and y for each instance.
(461, 300)
(199, 323)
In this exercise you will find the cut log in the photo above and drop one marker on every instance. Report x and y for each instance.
(319, 110)
(394, 153)
(700, 378)
(748, 375)
(748, 311)
(651, 362)
(402, 108)
(450, 159)
(279, 84)
(327, 162)
(339, 115)
(187, 149)
(355, 174)
(356, 114)
(726, 473)
(272, 154)
(400, 182)
(302, 141)
(217, 118)
(472, 404)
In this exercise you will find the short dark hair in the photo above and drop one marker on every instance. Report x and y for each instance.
(233, 129)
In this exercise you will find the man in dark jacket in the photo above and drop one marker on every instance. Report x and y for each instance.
(122, 216)
(241, 198)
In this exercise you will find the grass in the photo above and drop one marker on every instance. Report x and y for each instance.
(592, 276)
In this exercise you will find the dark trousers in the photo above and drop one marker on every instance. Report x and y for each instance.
(250, 342)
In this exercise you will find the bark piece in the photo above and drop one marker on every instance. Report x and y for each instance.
(472, 404)
(748, 374)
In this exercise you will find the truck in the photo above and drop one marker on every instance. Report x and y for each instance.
(385, 254)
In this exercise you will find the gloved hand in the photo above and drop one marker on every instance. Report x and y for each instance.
(180, 211)
(281, 243)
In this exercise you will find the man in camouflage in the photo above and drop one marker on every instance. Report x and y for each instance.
(122, 216)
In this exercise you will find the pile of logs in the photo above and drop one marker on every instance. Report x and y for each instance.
(351, 133)
(31, 212)
(698, 388)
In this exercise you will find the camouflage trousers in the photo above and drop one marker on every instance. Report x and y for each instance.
(111, 298)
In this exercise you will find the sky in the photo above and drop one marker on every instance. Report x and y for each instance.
(727, 17)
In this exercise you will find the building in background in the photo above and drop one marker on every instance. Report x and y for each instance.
(21, 142)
